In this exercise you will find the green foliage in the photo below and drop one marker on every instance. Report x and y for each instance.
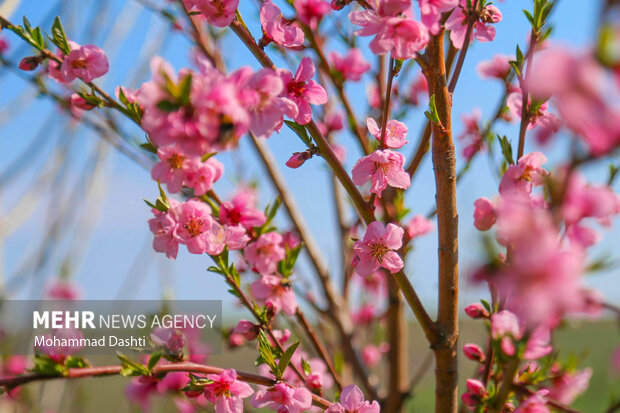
(131, 368)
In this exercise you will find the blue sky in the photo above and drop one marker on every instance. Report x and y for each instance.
(118, 250)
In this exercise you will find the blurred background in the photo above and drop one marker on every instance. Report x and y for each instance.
(71, 202)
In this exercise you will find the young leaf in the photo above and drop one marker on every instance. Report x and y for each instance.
(59, 37)
(301, 132)
(506, 149)
(286, 357)
(130, 367)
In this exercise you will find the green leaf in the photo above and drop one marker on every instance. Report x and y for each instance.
(432, 115)
(267, 354)
(45, 365)
(306, 367)
(286, 357)
(529, 16)
(153, 360)
(149, 147)
(300, 131)
(73, 362)
(130, 367)
(207, 156)
(506, 149)
(184, 90)
(59, 37)
(486, 304)
(167, 106)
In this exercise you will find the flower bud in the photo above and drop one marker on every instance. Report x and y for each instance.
(29, 63)
(474, 352)
(476, 310)
(476, 387)
(80, 103)
(298, 159)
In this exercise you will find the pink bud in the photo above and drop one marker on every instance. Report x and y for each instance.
(80, 103)
(476, 310)
(4, 46)
(298, 159)
(474, 352)
(29, 63)
(476, 387)
(246, 329)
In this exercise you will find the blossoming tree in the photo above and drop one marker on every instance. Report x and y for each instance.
(541, 224)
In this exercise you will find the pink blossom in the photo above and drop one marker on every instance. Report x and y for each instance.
(62, 289)
(404, 38)
(583, 200)
(265, 253)
(528, 172)
(575, 79)
(505, 323)
(4, 46)
(340, 151)
(476, 310)
(246, 329)
(475, 391)
(418, 86)
(484, 214)
(498, 67)
(171, 169)
(365, 315)
(88, 62)
(211, 118)
(568, 386)
(226, 392)
(352, 66)
(202, 175)
(267, 107)
(219, 13)
(58, 352)
(333, 121)
(310, 12)
(431, 11)
(537, 345)
(375, 282)
(352, 401)
(241, 210)
(194, 221)
(276, 291)
(278, 29)
(171, 340)
(471, 135)
(163, 227)
(378, 249)
(371, 354)
(536, 403)
(302, 90)
(418, 226)
(283, 398)
(615, 360)
(482, 30)
(542, 117)
(474, 352)
(382, 168)
(395, 132)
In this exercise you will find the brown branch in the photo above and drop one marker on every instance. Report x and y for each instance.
(386, 104)
(319, 347)
(421, 150)
(188, 367)
(509, 370)
(444, 163)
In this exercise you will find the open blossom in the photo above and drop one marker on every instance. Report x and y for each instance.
(498, 67)
(382, 168)
(352, 401)
(163, 227)
(194, 221)
(310, 12)
(575, 80)
(226, 392)
(351, 66)
(528, 172)
(276, 291)
(536, 403)
(395, 33)
(395, 132)
(201, 175)
(283, 398)
(211, 118)
(241, 210)
(378, 249)
(267, 107)
(171, 340)
(176, 169)
(302, 90)
(431, 11)
(484, 214)
(418, 226)
(219, 13)
(87, 62)
(277, 29)
(543, 118)
(371, 354)
(482, 30)
(568, 386)
(471, 135)
(265, 253)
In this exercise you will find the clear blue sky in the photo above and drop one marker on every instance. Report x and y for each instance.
(121, 233)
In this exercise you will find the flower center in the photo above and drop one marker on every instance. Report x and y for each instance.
(297, 89)
(194, 227)
(176, 161)
(79, 64)
(378, 251)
